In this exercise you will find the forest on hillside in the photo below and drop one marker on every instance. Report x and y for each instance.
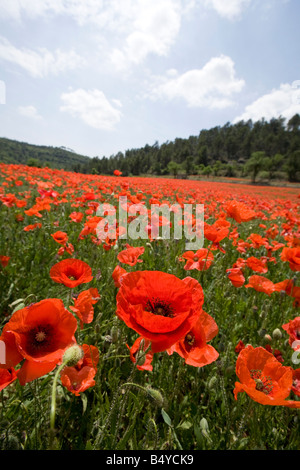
(12, 151)
(261, 150)
(269, 149)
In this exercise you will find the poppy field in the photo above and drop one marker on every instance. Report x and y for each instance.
(142, 344)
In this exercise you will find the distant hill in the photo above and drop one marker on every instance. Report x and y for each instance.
(12, 151)
(265, 150)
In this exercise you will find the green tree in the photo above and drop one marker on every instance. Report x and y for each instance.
(293, 166)
(207, 171)
(255, 164)
(34, 162)
(272, 164)
(189, 165)
(173, 168)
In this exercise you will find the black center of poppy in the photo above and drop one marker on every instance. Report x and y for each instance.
(160, 307)
(39, 338)
(72, 274)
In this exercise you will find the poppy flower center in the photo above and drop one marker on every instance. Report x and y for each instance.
(190, 339)
(40, 339)
(40, 336)
(160, 307)
(71, 274)
(263, 384)
(298, 334)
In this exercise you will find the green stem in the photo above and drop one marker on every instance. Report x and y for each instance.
(53, 398)
(136, 385)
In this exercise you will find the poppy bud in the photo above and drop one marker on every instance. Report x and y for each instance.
(114, 332)
(277, 334)
(140, 358)
(73, 355)
(204, 424)
(212, 383)
(267, 338)
(156, 396)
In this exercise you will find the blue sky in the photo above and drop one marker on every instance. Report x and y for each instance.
(102, 76)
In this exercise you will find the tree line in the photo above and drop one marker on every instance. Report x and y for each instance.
(269, 149)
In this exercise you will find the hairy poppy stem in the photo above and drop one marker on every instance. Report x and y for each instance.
(53, 401)
(136, 385)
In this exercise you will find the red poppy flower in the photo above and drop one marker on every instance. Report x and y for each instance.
(7, 376)
(83, 305)
(296, 294)
(118, 272)
(68, 247)
(159, 306)
(117, 173)
(76, 216)
(4, 260)
(79, 378)
(200, 260)
(12, 355)
(193, 346)
(60, 237)
(239, 347)
(71, 272)
(257, 241)
(257, 265)
(242, 246)
(236, 277)
(239, 212)
(130, 255)
(296, 382)
(216, 232)
(39, 334)
(144, 344)
(264, 378)
(286, 286)
(292, 255)
(28, 228)
(293, 330)
(261, 284)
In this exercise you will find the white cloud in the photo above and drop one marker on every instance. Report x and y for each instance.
(92, 107)
(210, 87)
(29, 111)
(154, 29)
(284, 101)
(142, 27)
(39, 63)
(230, 9)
